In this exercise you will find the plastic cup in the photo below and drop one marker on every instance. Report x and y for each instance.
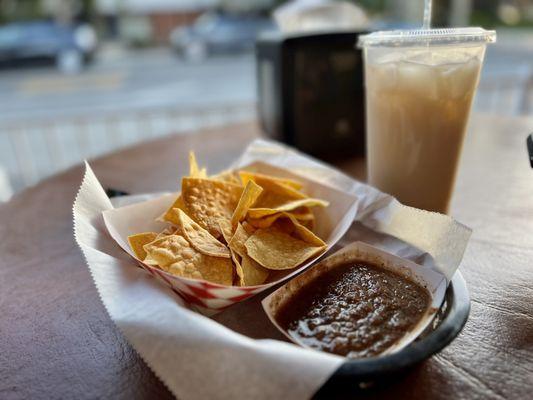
(419, 91)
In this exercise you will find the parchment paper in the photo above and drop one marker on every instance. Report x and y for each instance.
(233, 355)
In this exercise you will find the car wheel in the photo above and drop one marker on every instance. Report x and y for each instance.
(69, 61)
(195, 51)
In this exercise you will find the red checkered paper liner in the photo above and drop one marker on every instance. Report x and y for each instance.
(210, 298)
(206, 297)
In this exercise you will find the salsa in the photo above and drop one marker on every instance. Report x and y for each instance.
(356, 310)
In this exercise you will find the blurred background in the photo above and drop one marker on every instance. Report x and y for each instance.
(80, 78)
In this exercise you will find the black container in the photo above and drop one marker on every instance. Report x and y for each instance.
(363, 376)
(310, 91)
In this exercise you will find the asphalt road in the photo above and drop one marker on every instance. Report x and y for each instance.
(126, 80)
(49, 121)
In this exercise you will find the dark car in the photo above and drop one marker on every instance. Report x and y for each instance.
(69, 47)
(214, 33)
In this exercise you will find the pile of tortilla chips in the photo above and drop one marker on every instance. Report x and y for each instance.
(233, 228)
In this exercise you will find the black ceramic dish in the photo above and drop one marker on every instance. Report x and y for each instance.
(356, 376)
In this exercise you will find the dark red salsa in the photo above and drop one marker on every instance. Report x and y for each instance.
(356, 310)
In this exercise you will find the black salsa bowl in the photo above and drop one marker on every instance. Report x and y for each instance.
(356, 376)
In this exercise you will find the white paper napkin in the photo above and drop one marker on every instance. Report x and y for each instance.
(198, 357)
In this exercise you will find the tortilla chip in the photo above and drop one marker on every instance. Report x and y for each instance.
(277, 250)
(167, 232)
(253, 272)
(264, 222)
(290, 225)
(292, 205)
(249, 196)
(247, 176)
(239, 273)
(161, 252)
(238, 239)
(285, 225)
(274, 193)
(208, 201)
(303, 233)
(227, 176)
(198, 237)
(303, 213)
(176, 256)
(194, 171)
(248, 272)
(248, 228)
(138, 241)
(308, 223)
(166, 216)
(225, 228)
(227, 233)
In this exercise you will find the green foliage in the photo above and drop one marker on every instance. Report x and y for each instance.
(25, 10)
(490, 20)
(372, 6)
(18, 10)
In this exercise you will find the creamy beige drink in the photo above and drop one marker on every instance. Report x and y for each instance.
(417, 111)
(418, 103)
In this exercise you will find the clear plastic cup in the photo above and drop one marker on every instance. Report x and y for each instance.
(419, 91)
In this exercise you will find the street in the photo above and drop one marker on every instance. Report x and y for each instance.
(49, 121)
(126, 80)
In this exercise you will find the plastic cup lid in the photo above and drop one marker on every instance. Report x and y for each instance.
(400, 38)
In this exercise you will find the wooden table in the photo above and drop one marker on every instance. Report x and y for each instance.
(56, 340)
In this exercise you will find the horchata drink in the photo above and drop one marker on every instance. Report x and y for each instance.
(419, 91)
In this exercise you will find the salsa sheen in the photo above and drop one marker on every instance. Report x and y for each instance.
(356, 310)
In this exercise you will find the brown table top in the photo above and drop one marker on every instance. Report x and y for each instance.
(56, 340)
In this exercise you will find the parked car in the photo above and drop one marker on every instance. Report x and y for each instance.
(69, 47)
(214, 33)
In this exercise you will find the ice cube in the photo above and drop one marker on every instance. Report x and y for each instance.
(459, 79)
(416, 79)
(384, 76)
